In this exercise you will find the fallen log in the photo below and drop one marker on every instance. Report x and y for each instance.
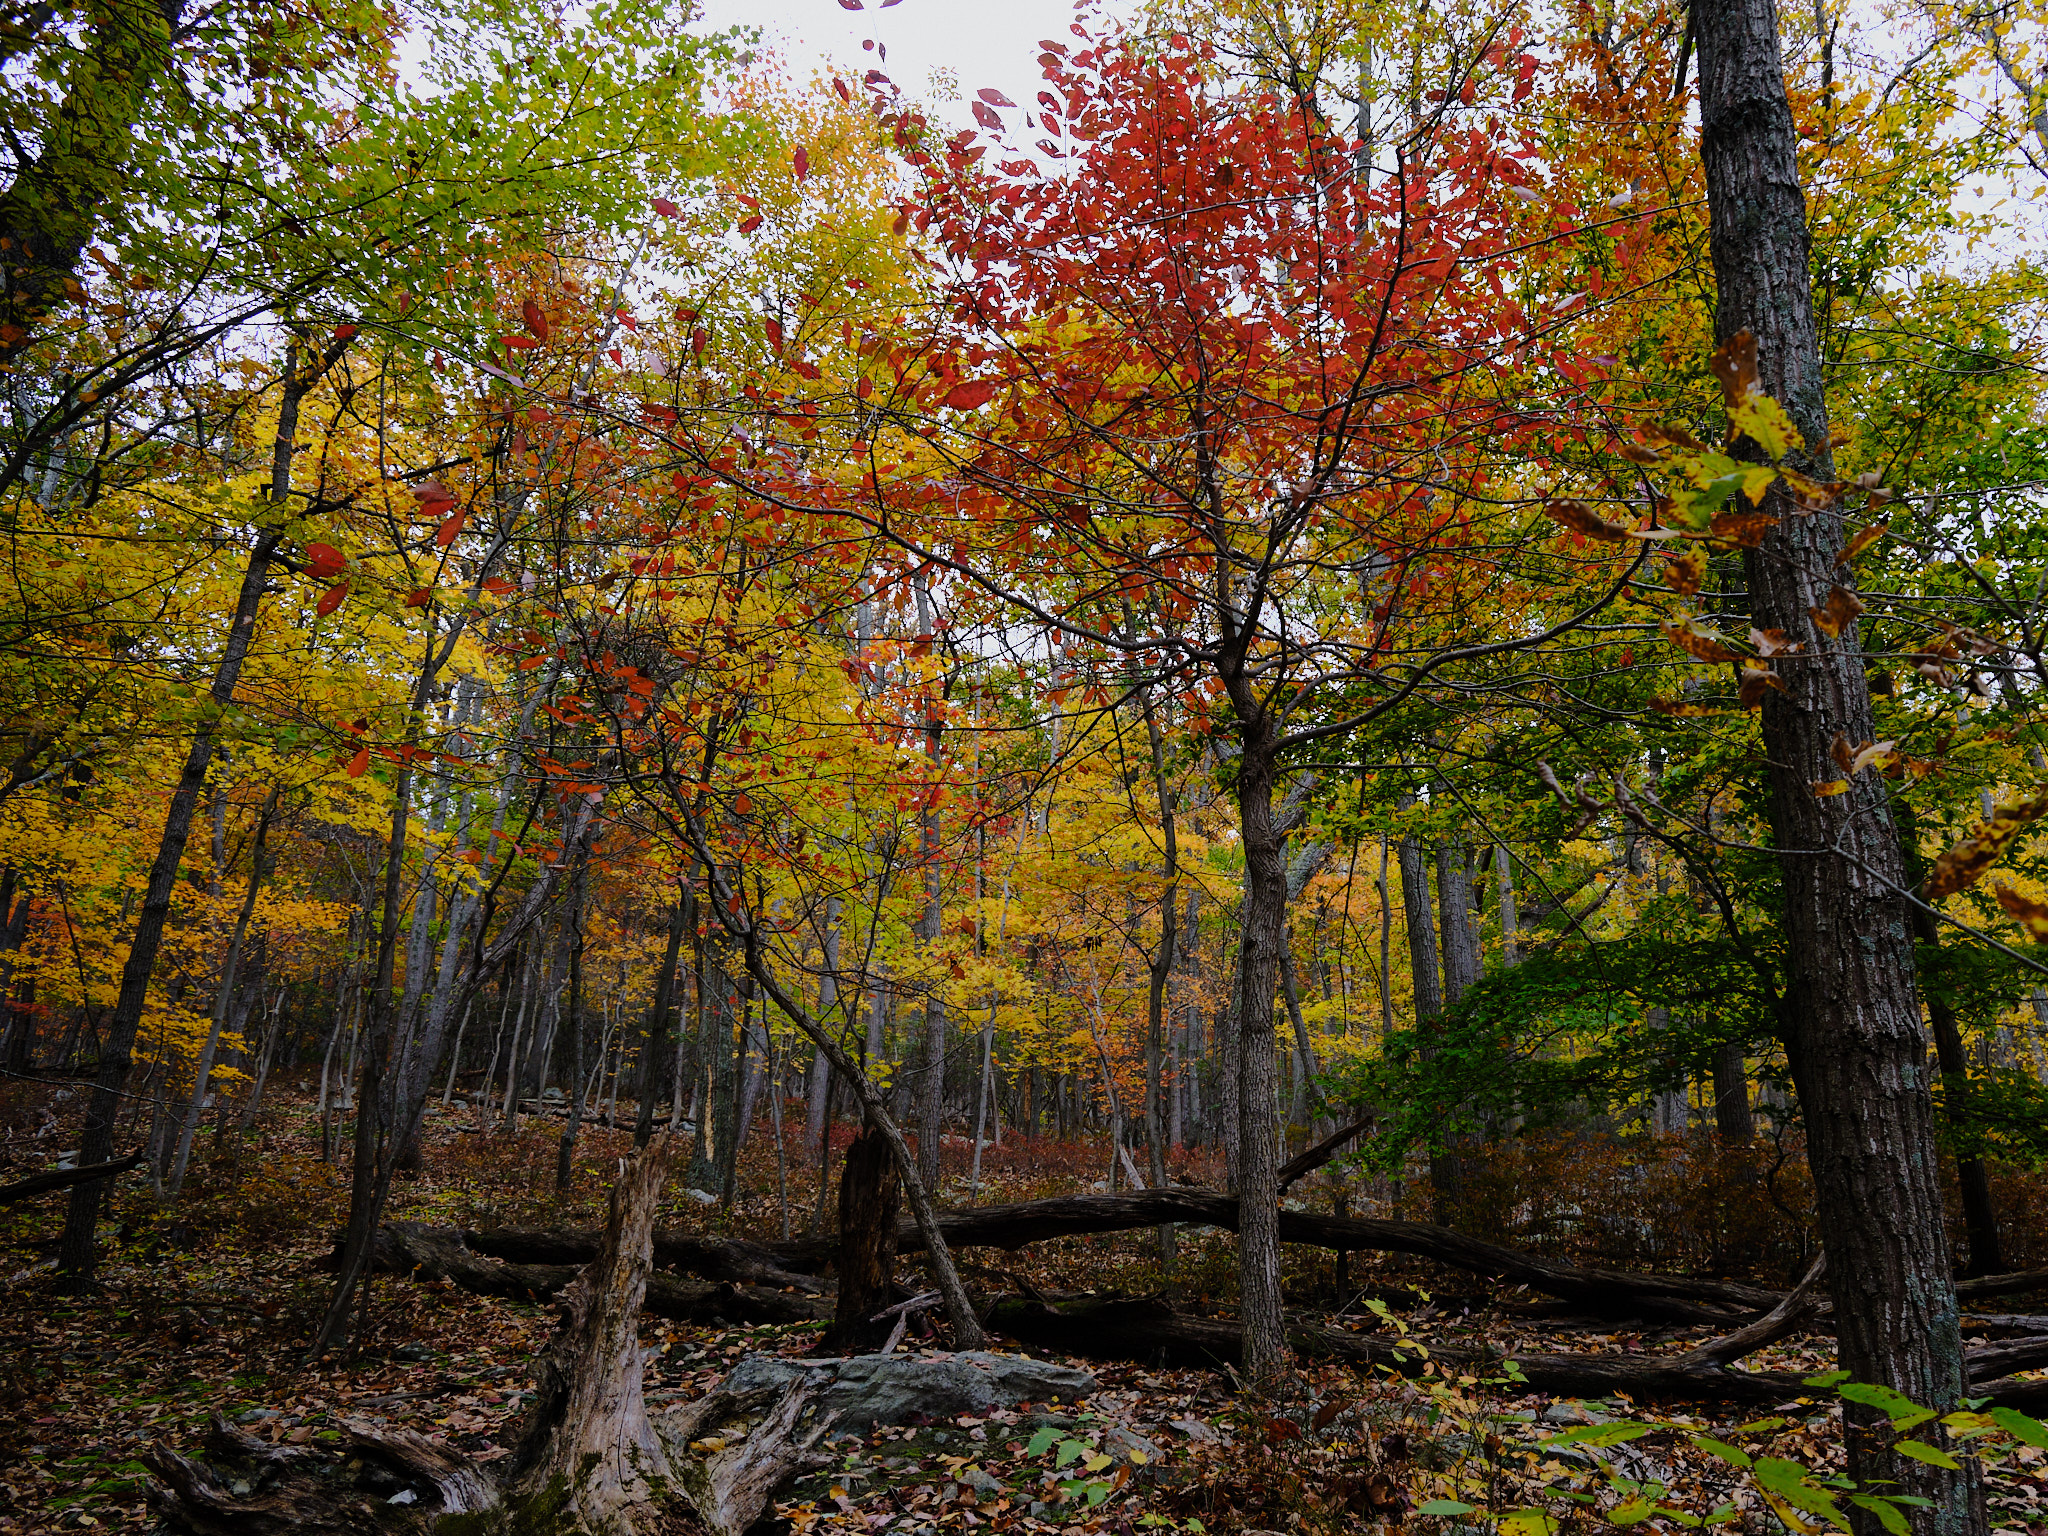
(713, 1258)
(2002, 1285)
(64, 1178)
(1606, 1290)
(1150, 1331)
(441, 1253)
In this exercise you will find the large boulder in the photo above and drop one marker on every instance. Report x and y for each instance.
(863, 1391)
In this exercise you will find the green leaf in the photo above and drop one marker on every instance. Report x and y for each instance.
(1069, 1449)
(1887, 1512)
(1758, 1426)
(1900, 1409)
(1633, 1512)
(1722, 1449)
(2028, 1431)
(1825, 1379)
(1042, 1441)
(1788, 1480)
(1528, 1522)
(1599, 1434)
(1920, 1450)
(1444, 1507)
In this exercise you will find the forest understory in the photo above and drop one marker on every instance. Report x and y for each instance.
(205, 1311)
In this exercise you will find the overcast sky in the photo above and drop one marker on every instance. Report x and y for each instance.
(980, 42)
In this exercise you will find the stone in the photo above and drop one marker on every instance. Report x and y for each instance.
(864, 1391)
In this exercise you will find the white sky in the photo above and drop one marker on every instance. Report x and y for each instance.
(981, 42)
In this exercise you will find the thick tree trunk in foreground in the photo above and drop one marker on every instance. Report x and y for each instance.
(1852, 1017)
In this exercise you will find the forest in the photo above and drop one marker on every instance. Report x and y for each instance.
(1304, 790)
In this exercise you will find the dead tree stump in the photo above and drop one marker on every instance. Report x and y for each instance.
(590, 1462)
(870, 1195)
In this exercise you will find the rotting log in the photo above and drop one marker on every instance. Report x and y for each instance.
(1150, 1331)
(64, 1178)
(590, 1458)
(442, 1253)
(1678, 1297)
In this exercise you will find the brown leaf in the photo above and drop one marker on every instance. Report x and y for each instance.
(1745, 530)
(1755, 680)
(2032, 915)
(1772, 642)
(1581, 518)
(1676, 437)
(1865, 537)
(1686, 569)
(1700, 644)
(1636, 453)
(1843, 754)
(1962, 866)
(1843, 606)
(1735, 366)
(1679, 709)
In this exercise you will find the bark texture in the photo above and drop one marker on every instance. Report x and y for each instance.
(1851, 1014)
(869, 1197)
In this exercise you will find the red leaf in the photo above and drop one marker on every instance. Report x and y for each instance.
(986, 115)
(840, 86)
(995, 98)
(851, 5)
(774, 329)
(972, 395)
(802, 160)
(864, 388)
(665, 208)
(359, 762)
(326, 561)
(741, 805)
(445, 534)
(699, 338)
(519, 343)
(345, 332)
(419, 597)
(331, 599)
(536, 322)
(432, 495)
(749, 224)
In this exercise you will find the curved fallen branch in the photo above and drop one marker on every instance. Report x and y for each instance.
(1150, 1331)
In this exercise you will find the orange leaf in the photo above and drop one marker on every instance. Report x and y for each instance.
(1960, 868)
(419, 597)
(331, 599)
(1702, 645)
(358, 763)
(536, 322)
(445, 534)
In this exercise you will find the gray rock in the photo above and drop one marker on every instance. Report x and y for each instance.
(867, 1390)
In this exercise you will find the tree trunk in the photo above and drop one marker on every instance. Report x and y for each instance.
(869, 1198)
(1850, 1014)
(1266, 1351)
(77, 1253)
(203, 1071)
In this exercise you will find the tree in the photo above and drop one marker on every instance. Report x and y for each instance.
(1851, 1012)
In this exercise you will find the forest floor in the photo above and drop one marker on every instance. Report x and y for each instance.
(206, 1307)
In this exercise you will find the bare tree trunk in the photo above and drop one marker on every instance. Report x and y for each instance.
(1850, 1014)
(203, 1072)
(77, 1253)
(869, 1198)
